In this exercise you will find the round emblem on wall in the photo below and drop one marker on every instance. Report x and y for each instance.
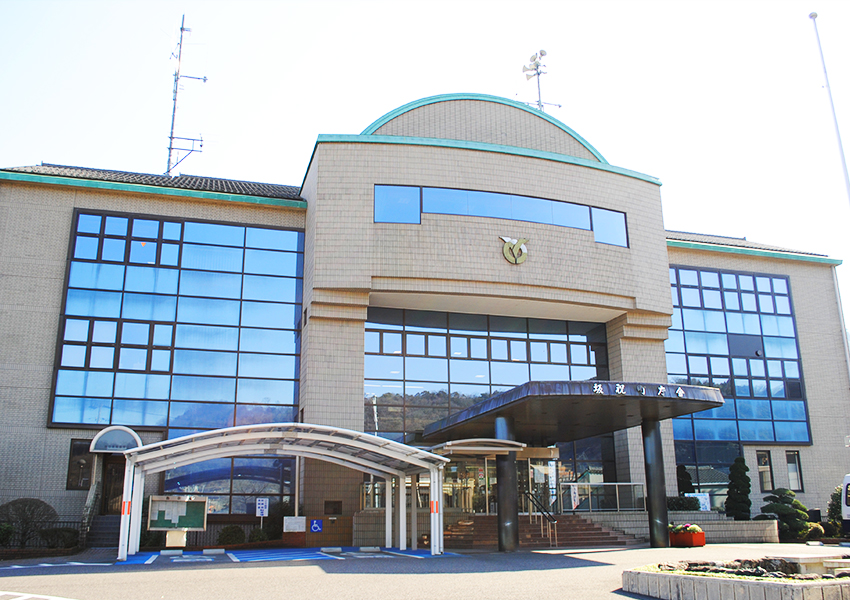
(514, 250)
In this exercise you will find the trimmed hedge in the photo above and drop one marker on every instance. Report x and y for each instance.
(60, 537)
(682, 503)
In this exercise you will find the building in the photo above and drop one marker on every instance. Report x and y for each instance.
(459, 247)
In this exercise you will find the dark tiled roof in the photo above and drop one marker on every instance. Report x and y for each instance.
(720, 240)
(185, 182)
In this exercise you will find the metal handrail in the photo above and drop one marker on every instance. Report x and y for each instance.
(551, 521)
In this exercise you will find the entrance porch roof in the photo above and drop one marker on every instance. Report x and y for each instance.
(546, 412)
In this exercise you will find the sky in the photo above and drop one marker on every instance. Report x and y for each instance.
(723, 101)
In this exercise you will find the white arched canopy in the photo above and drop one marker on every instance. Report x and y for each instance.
(353, 449)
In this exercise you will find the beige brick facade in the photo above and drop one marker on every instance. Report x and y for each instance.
(447, 263)
(35, 224)
(824, 368)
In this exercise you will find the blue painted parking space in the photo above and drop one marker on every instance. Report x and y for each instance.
(234, 556)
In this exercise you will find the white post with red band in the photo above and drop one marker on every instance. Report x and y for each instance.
(126, 505)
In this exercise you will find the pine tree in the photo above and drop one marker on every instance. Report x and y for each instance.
(738, 498)
(683, 478)
(790, 512)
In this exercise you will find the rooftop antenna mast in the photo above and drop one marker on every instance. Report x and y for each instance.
(533, 70)
(172, 150)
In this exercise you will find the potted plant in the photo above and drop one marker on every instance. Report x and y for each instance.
(686, 536)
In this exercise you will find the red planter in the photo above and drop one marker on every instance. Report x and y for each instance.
(687, 539)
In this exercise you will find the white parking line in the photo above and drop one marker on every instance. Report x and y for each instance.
(20, 596)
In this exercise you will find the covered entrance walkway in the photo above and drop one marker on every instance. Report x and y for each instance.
(360, 451)
(542, 413)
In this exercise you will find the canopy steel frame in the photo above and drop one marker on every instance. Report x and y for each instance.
(352, 449)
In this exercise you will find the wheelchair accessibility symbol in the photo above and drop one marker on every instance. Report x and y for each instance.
(316, 525)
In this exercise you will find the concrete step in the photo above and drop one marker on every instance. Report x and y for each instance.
(572, 531)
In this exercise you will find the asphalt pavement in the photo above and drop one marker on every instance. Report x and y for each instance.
(585, 573)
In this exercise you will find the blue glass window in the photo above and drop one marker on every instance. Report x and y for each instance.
(274, 239)
(268, 262)
(209, 233)
(86, 247)
(150, 413)
(150, 279)
(113, 250)
(216, 285)
(210, 389)
(96, 276)
(143, 252)
(145, 229)
(76, 330)
(401, 204)
(609, 227)
(445, 201)
(149, 307)
(487, 204)
(93, 304)
(206, 337)
(566, 214)
(765, 399)
(267, 391)
(116, 225)
(88, 224)
(397, 204)
(199, 362)
(212, 258)
(127, 371)
(87, 411)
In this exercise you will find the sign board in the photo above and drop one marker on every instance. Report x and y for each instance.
(294, 524)
(316, 525)
(183, 513)
(704, 502)
(262, 507)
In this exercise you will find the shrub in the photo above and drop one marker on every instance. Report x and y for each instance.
(684, 480)
(830, 529)
(60, 537)
(7, 532)
(149, 539)
(790, 512)
(273, 524)
(684, 528)
(738, 498)
(152, 539)
(833, 509)
(257, 535)
(682, 503)
(813, 531)
(28, 516)
(232, 534)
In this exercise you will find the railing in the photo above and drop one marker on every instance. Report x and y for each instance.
(588, 497)
(599, 497)
(545, 515)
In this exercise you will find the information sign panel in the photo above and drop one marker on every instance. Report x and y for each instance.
(172, 513)
(295, 524)
(262, 507)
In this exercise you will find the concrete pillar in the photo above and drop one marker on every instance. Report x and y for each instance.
(656, 490)
(506, 477)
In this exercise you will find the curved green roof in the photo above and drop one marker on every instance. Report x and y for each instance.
(371, 129)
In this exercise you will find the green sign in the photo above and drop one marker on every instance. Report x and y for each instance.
(177, 513)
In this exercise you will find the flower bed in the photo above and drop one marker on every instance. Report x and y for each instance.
(686, 536)
(745, 579)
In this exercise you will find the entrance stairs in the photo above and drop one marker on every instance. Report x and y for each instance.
(481, 533)
(104, 531)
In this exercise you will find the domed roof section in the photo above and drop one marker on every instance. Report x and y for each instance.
(484, 119)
